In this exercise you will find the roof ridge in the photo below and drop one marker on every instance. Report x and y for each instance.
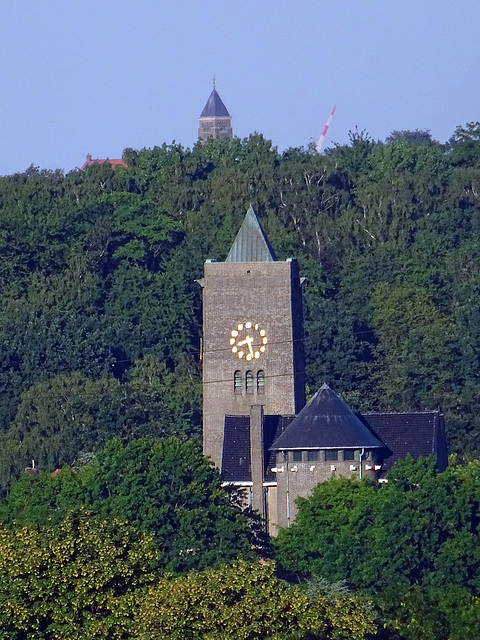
(400, 413)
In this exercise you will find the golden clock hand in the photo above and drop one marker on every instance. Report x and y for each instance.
(248, 340)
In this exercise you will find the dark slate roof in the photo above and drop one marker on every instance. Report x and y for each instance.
(417, 434)
(326, 422)
(236, 459)
(236, 464)
(251, 243)
(214, 107)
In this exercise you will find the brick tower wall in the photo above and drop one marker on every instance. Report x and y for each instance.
(265, 293)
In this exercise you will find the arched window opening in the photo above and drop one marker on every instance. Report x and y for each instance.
(249, 382)
(237, 382)
(260, 382)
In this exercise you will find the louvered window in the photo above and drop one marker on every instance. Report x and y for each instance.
(249, 382)
(237, 382)
(260, 382)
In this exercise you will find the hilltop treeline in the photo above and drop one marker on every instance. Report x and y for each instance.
(100, 317)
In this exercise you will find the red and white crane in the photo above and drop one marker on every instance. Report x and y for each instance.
(325, 129)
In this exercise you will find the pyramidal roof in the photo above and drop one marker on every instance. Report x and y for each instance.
(214, 107)
(251, 243)
(326, 422)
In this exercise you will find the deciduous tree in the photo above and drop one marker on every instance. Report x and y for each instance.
(243, 601)
(80, 578)
(161, 486)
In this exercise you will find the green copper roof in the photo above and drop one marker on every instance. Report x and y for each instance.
(251, 243)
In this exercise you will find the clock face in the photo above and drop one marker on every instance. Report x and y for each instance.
(248, 340)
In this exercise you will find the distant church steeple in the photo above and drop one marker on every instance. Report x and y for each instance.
(215, 121)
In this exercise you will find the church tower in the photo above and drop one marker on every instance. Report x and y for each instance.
(215, 121)
(252, 357)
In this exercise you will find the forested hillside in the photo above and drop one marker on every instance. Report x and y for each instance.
(100, 318)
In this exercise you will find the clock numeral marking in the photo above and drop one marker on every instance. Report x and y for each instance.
(262, 349)
(248, 325)
(234, 333)
(264, 340)
(262, 332)
(240, 327)
(232, 340)
(240, 354)
(234, 350)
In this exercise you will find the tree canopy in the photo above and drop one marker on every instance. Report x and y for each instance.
(412, 544)
(100, 330)
(98, 283)
(247, 601)
(164, 487)
(80, 578)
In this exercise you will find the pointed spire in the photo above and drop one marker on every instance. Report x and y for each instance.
(326, 422)
(214, 121)
(214, 107)
(251, 243)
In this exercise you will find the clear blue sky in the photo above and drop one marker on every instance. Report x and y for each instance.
(96, 76)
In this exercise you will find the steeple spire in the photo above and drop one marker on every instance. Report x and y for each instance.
(251, 243)
(215, 121)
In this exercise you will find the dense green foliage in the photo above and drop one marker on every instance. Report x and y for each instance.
(413, 544)
(82, 578)
(100, 323)
(99, 338)
(165, 487)
(85, 577)
(247, 602)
